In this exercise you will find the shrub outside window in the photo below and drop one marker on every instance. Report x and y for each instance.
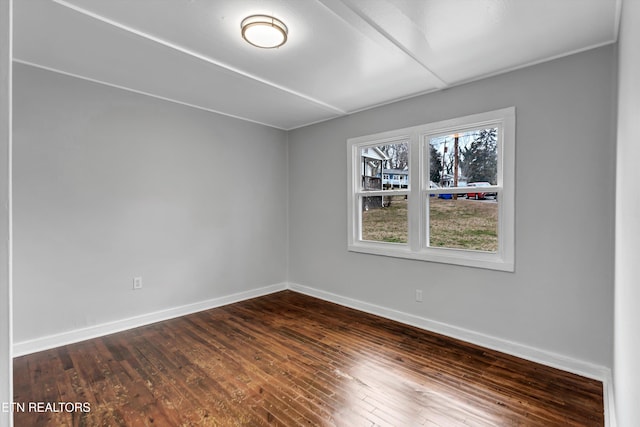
(441, 192)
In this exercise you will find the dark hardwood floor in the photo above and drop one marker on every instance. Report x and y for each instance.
(287, 359)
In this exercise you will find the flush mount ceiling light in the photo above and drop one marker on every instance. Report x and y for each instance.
(264, 31)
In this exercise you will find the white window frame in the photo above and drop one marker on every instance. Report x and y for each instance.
(418, 192)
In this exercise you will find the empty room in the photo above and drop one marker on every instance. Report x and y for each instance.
(319, 212)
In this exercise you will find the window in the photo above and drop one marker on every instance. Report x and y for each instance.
(441, 192)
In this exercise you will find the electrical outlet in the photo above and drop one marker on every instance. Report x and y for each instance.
(419, 295)
(137, 283)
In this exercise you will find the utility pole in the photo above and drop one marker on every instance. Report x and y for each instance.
(444, 156)
(455, 164)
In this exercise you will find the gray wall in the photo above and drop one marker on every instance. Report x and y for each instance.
(109, 185)
(627, 319)
(560, 297)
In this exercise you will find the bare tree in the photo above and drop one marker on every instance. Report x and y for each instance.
(398, 155)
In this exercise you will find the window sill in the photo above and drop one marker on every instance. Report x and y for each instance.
(476, 259)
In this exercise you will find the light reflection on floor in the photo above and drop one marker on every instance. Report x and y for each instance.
(381, 395)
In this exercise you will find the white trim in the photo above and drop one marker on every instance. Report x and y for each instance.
(548, 358)
(609, 403)
(140, 92)
(355, 17)
(544, 357)
(44, 343)
(417, 138)
(554, 360)
(195, 54)
(616, 21)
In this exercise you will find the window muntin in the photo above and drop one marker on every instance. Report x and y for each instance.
(424, 194)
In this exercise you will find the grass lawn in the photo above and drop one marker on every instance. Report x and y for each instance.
(460, 224)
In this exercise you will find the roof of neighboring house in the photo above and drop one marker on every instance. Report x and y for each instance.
(374, 153)
(396, 171)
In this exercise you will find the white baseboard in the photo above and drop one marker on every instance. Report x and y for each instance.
(51, 341)
(554, 360)
(565, 363)
(609, 402)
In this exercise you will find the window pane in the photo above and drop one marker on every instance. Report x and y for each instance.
(385, 167)
(465, 158)
(384, 219)
(463, 223)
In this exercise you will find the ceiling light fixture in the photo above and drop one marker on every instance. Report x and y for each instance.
(264, 31)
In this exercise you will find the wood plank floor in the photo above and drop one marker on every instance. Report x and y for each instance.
(286, 360)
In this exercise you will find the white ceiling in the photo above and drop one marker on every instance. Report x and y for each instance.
(342, 56)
